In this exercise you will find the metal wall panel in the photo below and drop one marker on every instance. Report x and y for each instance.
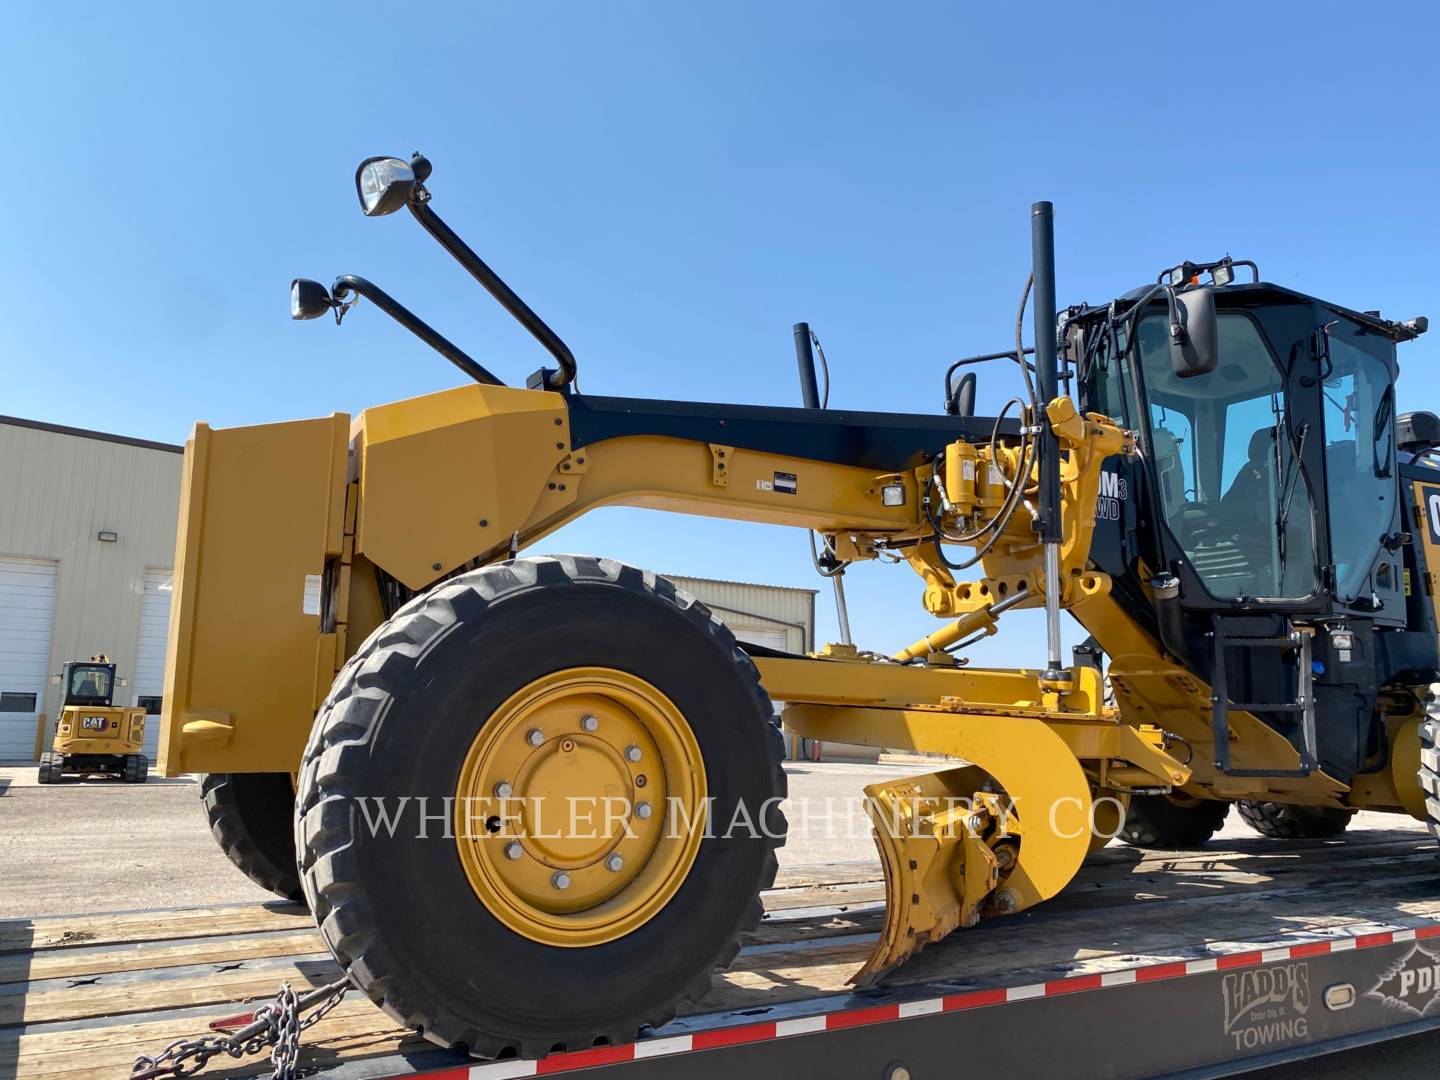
(27, 612)
(149, 678)
(747, 606)
(58, 491)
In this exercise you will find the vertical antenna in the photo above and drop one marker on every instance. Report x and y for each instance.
(810, 396)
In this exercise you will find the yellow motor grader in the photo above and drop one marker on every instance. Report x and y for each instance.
(535, 798)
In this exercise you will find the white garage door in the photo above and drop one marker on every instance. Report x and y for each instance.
(27, 613)
(149, 678)
(772, 637)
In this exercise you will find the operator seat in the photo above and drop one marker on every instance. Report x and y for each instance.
(1244, 538)
(1255, 482)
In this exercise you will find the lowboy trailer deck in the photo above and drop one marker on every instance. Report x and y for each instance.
(1152, 963)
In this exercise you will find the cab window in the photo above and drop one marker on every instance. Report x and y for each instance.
(1222, 452)
(89, 682)
(1359, 412)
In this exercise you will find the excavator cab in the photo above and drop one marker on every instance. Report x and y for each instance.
(1269, 538)
(89, 683)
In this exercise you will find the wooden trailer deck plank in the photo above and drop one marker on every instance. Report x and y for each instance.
(85, 962)
(206, 984)
(66, 931)
(354, 1029)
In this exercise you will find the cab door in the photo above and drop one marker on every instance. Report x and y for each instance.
(1233, 457)
(1357, 385)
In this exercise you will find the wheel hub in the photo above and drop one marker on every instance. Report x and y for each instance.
(578, 808)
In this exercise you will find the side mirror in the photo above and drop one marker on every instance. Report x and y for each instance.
(961, 401)
(309, 299)
(1194, 333)
(383, 184)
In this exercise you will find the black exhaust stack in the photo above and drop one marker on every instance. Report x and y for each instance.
(1042, 254)
(1042, 260)
(805, 361)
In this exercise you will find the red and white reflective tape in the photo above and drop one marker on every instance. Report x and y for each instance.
(880, 1014)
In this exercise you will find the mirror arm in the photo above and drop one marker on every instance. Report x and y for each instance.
(349, 283)
(497, 288)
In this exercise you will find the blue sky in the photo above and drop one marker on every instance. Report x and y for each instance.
(672, 186)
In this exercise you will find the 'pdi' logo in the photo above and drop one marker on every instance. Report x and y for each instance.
(1412, 984)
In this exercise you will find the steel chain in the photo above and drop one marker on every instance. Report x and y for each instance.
(277, 1026)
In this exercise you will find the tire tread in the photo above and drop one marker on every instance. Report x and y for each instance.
(349, 718)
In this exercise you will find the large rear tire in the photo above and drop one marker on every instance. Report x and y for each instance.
(484, 683)
(252, 817)
(1173, 822)
(1281, 821)
(1430, 765)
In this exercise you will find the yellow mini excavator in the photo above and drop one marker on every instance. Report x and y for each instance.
(535, 798)
(93, 735)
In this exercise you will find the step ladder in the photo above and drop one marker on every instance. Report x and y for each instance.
(1298, 640)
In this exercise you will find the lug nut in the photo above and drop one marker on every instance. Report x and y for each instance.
(614, 863)
(513, 850)
(534, 736)
(503, 790)
(560, 880)
(632, 753)
(589, 723)
(642, 811)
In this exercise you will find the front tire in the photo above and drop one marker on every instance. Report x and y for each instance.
(1173, 822)
(1281, 821)
(458, 934)
(252, 817)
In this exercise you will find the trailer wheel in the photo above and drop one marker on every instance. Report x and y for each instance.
(1284, 822)
(252, 817)
(1173, 821)
(532, 681)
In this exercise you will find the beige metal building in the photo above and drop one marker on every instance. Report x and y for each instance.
(87, 543)
(776, 616)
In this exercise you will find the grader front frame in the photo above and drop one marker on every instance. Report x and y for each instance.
(350, 605)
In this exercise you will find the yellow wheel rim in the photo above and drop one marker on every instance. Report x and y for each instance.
(579, 808)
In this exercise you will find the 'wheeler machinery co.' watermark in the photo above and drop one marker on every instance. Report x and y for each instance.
(578, 817)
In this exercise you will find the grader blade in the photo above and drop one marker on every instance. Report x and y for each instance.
(935, 834)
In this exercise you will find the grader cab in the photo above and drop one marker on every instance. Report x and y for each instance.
(535, 798)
